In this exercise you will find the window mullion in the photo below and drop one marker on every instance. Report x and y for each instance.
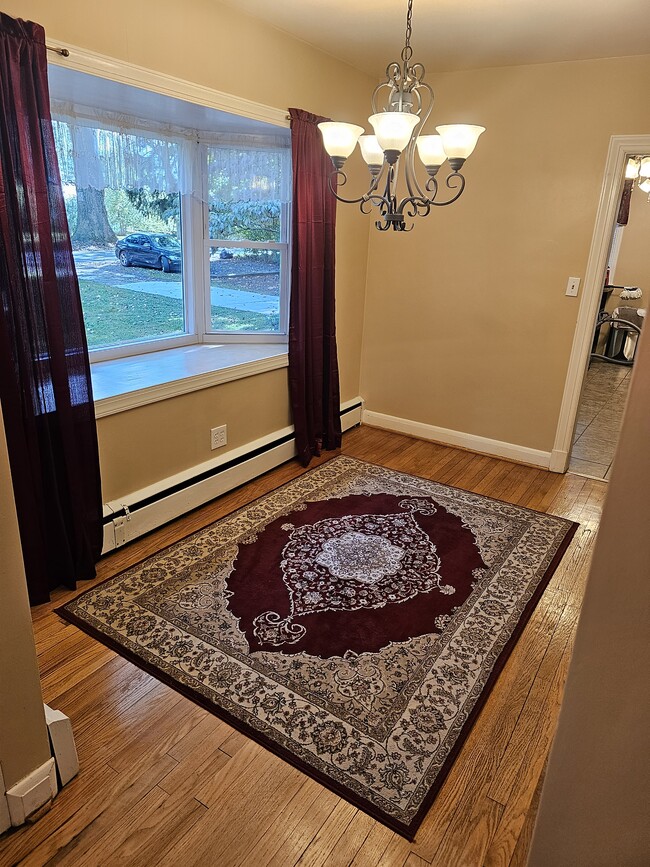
(202, 281)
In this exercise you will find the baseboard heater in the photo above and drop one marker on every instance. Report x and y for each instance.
(150, 508)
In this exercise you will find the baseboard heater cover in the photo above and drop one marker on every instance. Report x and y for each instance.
(153, 507)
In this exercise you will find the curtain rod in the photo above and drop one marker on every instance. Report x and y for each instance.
(62, 51)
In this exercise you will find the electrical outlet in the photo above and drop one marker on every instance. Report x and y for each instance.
(218, 437)
(572, 286)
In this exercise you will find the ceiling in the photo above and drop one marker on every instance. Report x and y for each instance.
(462, 34)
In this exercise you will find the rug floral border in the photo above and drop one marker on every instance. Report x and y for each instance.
(145, 660)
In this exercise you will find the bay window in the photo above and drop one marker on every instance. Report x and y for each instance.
(180, 233)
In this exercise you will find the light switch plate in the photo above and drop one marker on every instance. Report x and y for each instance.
(572, 286)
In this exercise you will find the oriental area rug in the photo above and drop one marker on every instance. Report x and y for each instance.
(352, 621)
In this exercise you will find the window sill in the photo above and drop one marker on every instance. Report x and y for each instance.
(126, 383)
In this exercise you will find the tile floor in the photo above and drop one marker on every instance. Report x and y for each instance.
(600, 414)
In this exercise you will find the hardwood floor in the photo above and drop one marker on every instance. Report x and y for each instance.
(164, 782)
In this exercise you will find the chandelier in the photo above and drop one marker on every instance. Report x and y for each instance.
(398, 134)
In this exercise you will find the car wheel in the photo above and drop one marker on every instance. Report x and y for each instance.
(124, 259)
(165, 264)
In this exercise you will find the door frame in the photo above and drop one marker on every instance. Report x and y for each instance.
(620, 148)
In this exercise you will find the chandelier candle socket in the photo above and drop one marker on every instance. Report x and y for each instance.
(398, 127)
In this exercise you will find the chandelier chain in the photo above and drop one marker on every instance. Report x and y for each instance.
(407, 51)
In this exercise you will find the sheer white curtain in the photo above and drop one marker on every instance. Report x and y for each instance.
(246, 168)
(107, 150)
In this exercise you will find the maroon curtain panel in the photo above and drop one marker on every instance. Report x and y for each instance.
(313, 365)
(45, 386)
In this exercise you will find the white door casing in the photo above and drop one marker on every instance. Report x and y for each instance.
(620, 148)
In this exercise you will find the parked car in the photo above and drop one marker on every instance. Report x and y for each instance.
(151, 250)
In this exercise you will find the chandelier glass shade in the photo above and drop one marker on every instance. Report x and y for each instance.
(390, 152)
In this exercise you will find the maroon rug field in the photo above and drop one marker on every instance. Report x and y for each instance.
(353, 621)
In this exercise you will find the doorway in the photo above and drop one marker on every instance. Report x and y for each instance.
(618, 325)
(601, 358)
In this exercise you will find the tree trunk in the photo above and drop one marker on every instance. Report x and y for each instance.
(93, 228)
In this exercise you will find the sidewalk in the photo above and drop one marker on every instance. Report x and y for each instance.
(233, 299)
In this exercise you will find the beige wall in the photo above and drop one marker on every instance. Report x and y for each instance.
(212, 44)
(467, 326)
(175, 434)
(594, 808)
(24, 742)
(633, 265)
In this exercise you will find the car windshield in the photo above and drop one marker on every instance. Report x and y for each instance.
(167, 241)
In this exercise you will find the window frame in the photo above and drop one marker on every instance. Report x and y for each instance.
(195, 239)
(206, 333)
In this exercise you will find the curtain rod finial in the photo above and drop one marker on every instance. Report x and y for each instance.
(62, 51)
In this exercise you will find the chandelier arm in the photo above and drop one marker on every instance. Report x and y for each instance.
(337, 173)
(424, 85)
(375, 201)
(388, 83)
(432, 188)
(410, 177)
(415, 206)
(451, 186)
(417, 72)
(412, 183)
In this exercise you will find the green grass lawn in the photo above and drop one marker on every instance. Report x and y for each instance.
(114, 315)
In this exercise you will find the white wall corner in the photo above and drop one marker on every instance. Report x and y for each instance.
(32, 792)
(63, 746)
(5, 818)
(458, 439)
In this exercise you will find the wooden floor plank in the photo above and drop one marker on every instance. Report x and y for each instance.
(471, 837)
(165, 782)
(396, 853)
(241, 812)
(374, 846)
(321, 847)
(349, 843)
(155, 834)
(520, 855)
(97, 816)
(18, 844)
(295, 828)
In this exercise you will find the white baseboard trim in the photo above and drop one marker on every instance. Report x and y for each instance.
(62, 742)
(448, 437)
(31, 793)
(151, 507)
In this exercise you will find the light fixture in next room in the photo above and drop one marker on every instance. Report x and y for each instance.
(638, 170)
(398, 134)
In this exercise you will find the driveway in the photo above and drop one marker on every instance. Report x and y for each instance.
(102, 266)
